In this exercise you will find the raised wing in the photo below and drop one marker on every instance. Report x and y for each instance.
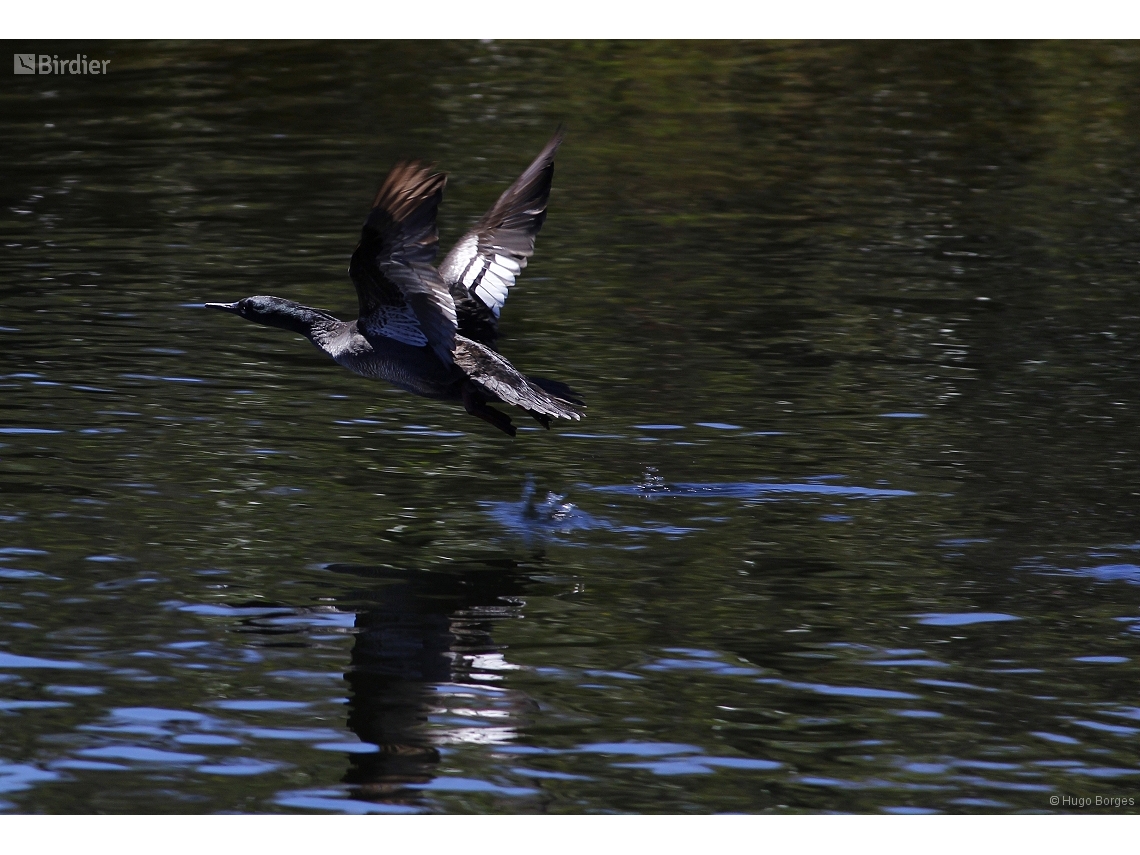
(485, 263)
(402, 296)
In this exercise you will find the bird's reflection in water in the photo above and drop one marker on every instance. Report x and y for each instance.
(424, 670)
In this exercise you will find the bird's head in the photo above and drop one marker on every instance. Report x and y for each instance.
(274, 312)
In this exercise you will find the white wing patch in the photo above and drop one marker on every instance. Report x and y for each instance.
(400, 324)
(460, 258)
(504, 265)
(490, 276)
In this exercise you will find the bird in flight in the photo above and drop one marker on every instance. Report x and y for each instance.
(433, 331)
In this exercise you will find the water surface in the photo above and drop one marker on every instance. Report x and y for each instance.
(850, 525)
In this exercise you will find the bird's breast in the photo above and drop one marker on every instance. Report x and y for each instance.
(415, 369)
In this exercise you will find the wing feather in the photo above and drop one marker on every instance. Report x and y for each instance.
(401, 295)
(496, 376)
(483, 266)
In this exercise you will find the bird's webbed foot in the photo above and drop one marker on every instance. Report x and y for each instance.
(474, 404)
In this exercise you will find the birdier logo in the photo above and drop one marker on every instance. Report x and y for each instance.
(29, 63)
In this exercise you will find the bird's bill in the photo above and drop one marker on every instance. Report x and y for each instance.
(228, 307)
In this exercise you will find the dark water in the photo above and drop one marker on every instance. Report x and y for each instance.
(851, 524)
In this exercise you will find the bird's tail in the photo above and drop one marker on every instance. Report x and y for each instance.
(498, 380)
(558, 390)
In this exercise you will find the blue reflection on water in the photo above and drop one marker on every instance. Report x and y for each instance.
(11, 660)
(473, 785)
(669, 767)
(348, 747)
(641, 749)
(1055, 737)
(20, 575)
(333, 800)
(741, 763)
(1112, 573)
(227, 611)
(77, 691)
(239, 766)
(751, 490)
(918, 714)
(662, 758)
(962, 618)
(696, 664)
(840, 691)
(206, 739)
(21, 776)
(163, 379)
(261, 705)
(156, 714)
(299, 733)
(89, 766)
(141, 754)
(909, 663)
(1116, 729)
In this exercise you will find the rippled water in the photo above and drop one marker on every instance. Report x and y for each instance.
(851, 524)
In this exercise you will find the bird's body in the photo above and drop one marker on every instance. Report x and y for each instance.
(414, 369)
(433, 332)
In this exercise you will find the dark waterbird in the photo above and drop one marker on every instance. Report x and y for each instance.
(429, 331)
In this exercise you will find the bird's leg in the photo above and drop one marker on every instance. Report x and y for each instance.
(474, 404)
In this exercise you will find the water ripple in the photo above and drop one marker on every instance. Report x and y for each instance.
(962, 618)
(750, 490)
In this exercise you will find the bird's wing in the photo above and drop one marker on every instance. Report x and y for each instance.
(503, 382)
(401, 295)
(485, 263)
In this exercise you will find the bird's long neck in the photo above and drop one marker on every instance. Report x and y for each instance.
(287, 315)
